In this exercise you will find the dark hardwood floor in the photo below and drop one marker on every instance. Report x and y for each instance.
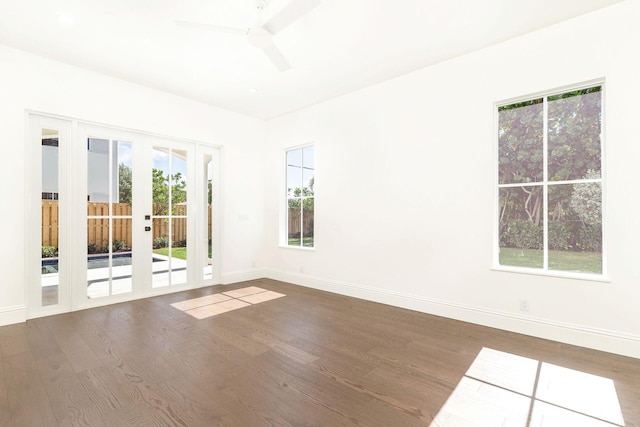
(310, 358)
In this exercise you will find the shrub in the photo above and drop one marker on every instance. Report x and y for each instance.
(49, 251)
(523, 234)
(180, 243)
(160, 242)
(590, 238)
(586, 199)
(118, 245)
(92, 248)
(559, 235)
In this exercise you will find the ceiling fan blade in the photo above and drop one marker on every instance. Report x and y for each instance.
(209, 27)
(278, 59)
(295, 10)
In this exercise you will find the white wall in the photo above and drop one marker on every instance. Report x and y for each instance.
(392, 161)
(29, 82)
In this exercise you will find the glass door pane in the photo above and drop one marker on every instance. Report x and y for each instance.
(207, 270)
(169, 186)
(109, 217)
(49, 279)
(49, 273)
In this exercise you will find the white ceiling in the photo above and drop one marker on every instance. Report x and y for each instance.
(338, 47)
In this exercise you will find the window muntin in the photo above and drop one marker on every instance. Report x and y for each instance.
(550, 182)
(300, 180)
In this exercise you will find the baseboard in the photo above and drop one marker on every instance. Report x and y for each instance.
(242, 276)
(580, 335)
(11, 315)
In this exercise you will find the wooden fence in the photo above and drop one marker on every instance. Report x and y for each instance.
(121, 230)
(294, 223)
(49, 223)
(98, 228)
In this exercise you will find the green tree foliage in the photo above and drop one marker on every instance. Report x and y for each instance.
(304, 196)
(124, 183)
(574, 128)
(586, 200)
(520, 140)
(296, 198)
(160, 189)
(161, 185)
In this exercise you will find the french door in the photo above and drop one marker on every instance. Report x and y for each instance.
(123, 215)
(49, 247)
(111, 175)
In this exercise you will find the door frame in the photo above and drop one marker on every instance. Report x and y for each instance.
(33, 238)
(75, 181)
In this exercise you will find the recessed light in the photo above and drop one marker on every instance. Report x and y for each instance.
(65, 19)
(253, 90)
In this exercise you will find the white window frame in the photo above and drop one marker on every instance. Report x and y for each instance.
(544, 271)
(284, 200)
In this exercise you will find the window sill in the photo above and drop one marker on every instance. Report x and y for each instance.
(551, 273)
(300, 248)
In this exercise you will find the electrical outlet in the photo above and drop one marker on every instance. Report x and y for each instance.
(301, 269)
(524, 304)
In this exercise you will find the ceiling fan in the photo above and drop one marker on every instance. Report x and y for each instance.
(261, 34)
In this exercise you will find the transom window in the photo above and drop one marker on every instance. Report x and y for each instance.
(300, 197)
(550, 182)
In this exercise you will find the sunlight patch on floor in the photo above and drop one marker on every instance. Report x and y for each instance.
(502, 389)
(579, 392)
(212, 305)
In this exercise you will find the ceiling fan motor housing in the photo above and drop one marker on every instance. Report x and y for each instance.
(261, 4)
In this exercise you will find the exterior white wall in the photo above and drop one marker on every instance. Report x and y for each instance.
(49, 169)
(98, 179)
(405, 188)
(29, 82)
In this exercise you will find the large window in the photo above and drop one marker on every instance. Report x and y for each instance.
(550, 182)
(300, 196)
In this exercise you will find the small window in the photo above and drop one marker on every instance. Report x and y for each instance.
(550, 182)
(300, 197)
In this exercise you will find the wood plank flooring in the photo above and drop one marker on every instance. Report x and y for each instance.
(310, 358)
